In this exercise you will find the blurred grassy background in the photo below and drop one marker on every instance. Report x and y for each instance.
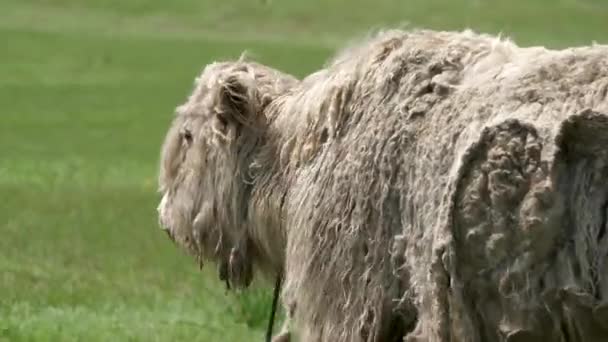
(87, 89)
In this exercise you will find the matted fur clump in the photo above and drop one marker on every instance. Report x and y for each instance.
(423, 186)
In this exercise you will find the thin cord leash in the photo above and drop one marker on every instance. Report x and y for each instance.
(273, 309)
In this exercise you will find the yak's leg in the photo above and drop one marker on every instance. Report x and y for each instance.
(284, 334)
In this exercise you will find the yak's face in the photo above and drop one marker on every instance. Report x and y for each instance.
(188, 182)
(205, 155)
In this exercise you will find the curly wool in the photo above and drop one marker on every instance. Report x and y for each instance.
(433, 186)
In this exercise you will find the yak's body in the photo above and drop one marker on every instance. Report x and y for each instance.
(427, 186)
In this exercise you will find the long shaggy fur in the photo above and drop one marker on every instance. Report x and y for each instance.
(423, 186)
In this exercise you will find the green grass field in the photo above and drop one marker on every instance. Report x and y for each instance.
(87, 89)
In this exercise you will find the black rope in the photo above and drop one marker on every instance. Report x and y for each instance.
(273, 309)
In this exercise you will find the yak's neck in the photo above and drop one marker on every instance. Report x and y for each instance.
(266, 205)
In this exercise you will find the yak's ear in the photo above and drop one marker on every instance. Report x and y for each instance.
(237, 102)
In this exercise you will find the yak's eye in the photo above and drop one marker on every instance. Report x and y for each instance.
(188, 136)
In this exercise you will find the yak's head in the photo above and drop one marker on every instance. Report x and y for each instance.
(205, 160)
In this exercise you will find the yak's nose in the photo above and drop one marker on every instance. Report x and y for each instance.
(162, 204)
(161, 218)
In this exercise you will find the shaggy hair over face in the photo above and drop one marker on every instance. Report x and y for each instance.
(423, 186)
(206, 171)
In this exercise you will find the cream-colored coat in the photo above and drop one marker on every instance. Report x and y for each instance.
(423, 186)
